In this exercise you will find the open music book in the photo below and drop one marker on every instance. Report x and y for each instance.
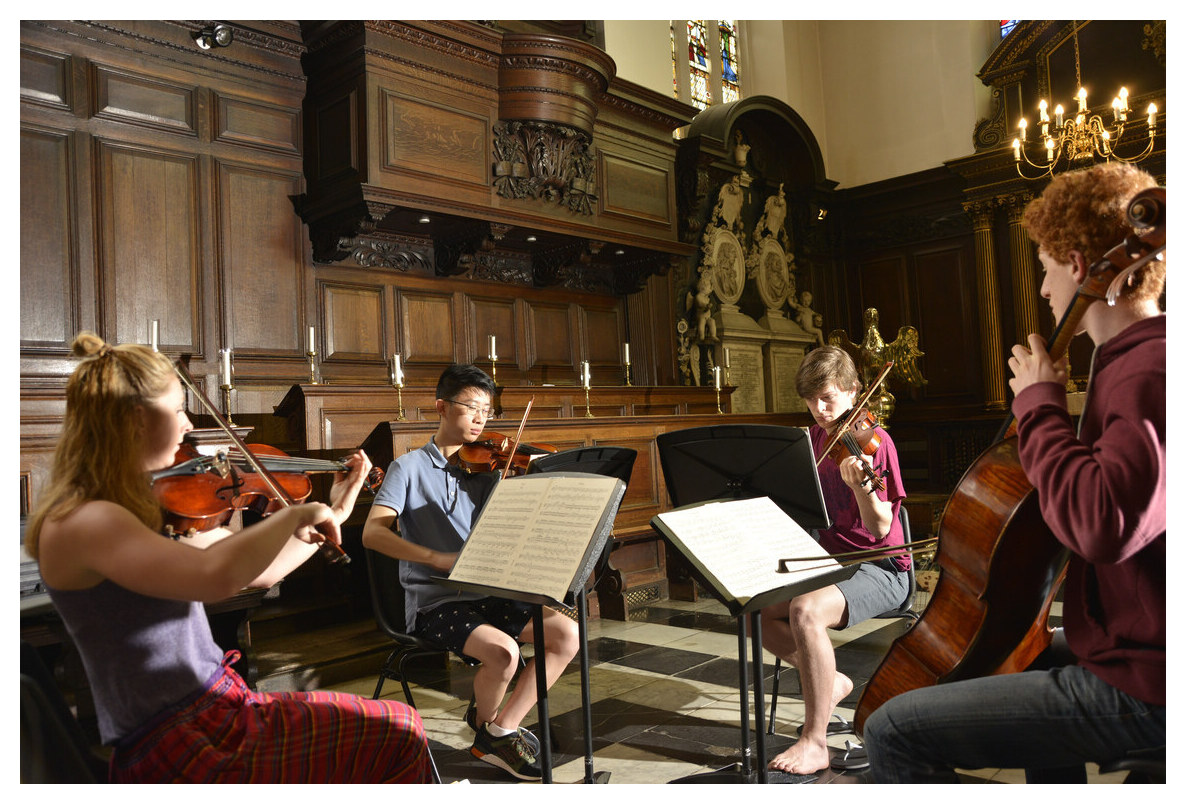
(735, 546)
(539, 535)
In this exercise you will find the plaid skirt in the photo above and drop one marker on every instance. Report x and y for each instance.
(227, 733)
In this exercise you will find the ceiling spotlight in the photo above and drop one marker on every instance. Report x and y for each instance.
(218, 36)
(619, 252)
(531, 238)
(425, 219)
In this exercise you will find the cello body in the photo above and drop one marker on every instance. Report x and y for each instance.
(1000, 568)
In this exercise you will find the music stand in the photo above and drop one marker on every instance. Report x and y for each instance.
(737, 462)
(615, 462)
(741, 461)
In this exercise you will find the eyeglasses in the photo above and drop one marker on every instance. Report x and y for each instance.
(474, 410)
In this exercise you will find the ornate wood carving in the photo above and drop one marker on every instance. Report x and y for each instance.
(546, 162)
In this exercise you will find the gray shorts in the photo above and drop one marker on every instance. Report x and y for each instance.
(877, 587)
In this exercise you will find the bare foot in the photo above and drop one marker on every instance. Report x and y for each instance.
(805, 756)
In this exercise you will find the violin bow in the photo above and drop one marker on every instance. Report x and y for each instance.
(515, 444)
(852, 414)
(332, 550)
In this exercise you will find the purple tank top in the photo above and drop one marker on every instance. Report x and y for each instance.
(141, 654)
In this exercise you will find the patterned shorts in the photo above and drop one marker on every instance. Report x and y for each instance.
(229, 733)
(450, 624)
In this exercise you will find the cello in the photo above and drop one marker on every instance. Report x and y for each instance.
(992, 529)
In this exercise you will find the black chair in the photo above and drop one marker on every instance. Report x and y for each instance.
(387, 603)
(54, 748)
(905, 610)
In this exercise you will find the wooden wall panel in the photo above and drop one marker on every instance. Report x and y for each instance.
(45, 78)
(334, 137)
(604, 333)
(550, 333)
(355, 323)
(435, 141)
(259, 125)
(634, 189)
(120, 95)
(427, 322)
(490, 316)
(946, 316)
(49, 304)
(261, 256)
(151, 247)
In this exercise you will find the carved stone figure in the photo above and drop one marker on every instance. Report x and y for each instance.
(773, 215)
(729, 201)
(808, 319)
(700, 303)
(740, 149)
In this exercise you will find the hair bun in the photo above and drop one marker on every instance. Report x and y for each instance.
(87, 344)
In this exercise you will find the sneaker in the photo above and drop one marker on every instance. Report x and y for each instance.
(511, 753)
(471, 720)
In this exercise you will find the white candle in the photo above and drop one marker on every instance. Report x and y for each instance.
(726, 357)
(154, 334)
(626, 353)
(397, 371)
(226, 367)
(312, 340)
(586, 376)
(716, 377)
(493, 353)
(1152, 114)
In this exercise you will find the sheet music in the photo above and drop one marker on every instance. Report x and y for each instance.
(740, 542)
(534, 532)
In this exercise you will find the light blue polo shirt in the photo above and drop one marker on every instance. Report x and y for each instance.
(438, 505)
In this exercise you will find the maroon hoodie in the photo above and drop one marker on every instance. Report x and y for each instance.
(1103, 494)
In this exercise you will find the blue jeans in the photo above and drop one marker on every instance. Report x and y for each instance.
(1039, 719)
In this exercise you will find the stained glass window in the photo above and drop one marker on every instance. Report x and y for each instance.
(1007, 26)
(699, 64)
(730, 90)
(704, 79)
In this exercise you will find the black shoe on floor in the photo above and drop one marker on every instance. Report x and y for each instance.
(511, 753)
(471, 720)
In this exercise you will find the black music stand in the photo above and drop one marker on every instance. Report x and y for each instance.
(575, 595)
(615, 462)
(737, 462)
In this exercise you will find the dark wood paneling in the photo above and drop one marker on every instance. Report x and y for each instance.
(946, 314)
(45, 78)
(139, 99)
(427, 326)
(550, 331)
(492, 316)
(262, 266)
(258, 125)
(49, 305)
(635, 189)
(434, 140)
(355, 323)
(151, 246)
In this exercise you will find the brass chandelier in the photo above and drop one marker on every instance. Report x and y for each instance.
(1083, 136)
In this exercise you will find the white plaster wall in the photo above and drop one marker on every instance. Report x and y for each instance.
(883, 98)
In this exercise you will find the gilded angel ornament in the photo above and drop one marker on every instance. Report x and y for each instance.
(873, 352)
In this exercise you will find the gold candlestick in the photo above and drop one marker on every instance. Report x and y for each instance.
(399, 389)
(314, 369)
(628, 373)
(716, 381)
(494, 370)
(226, 389)
(588, 413)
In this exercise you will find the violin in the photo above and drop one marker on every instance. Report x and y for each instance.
(486, 454)
(223, 494)
(199, 492)
(856, 436)
(493, 451)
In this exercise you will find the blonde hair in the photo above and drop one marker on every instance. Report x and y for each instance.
(1087, 211)
(98, 453)
(824, 366)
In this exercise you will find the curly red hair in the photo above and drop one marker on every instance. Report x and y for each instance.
(1086, 211)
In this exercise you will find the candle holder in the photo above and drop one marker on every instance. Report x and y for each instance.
(494, 370)
(628, 383)
(719, 402)
(588, 413)
(226, 389)
(314, 368)
(399, 390)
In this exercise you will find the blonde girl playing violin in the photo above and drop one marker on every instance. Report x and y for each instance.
(168, 702)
